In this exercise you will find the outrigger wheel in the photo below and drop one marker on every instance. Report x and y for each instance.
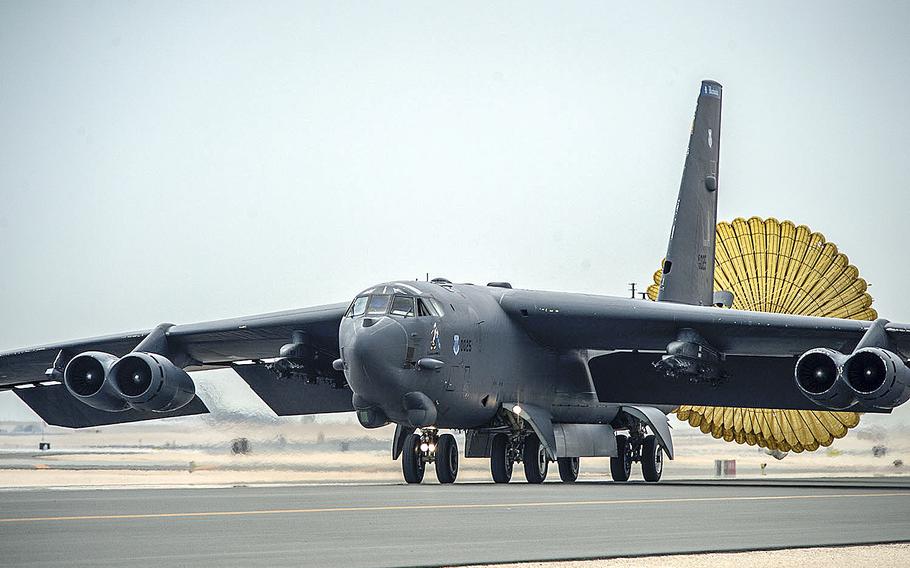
(412, 464)
(500, 460)
(446, 459)
(621, 465)
(535, 458)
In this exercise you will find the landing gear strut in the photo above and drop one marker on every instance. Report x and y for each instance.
(427, 447)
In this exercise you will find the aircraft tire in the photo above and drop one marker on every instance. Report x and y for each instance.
(621, 465)
(446, 459)
(500, 464)
(411, 462)
(535, 459)
(652, 460)
(568, 469)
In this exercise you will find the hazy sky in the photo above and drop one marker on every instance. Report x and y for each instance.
(189, 161)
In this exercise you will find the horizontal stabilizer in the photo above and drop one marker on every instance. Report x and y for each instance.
(56, 406)
(293, 396)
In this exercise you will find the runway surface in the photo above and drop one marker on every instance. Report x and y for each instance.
(398, 525)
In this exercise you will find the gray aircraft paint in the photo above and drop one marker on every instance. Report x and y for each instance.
(688, 269)
(570, 358)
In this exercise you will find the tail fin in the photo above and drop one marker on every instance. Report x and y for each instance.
(688, 271)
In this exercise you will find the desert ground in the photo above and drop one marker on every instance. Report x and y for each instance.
(335, 449)
(872, 556)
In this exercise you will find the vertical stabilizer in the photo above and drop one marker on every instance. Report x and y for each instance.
(688, 271)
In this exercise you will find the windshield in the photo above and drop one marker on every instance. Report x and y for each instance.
(402, 306)
(397, 305)
(378, 305)
(358, 307)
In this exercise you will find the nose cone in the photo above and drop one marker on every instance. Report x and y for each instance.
(375, 350)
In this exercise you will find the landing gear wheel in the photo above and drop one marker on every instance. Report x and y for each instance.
(446, 459)
(621, 465)
(412, 460)
(500, 461)
(652, 459)
(535, 459)
(568, 469)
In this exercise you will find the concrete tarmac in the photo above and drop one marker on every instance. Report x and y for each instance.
(399, 525)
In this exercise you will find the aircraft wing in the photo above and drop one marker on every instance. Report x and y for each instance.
(760, 349)
(33, 373)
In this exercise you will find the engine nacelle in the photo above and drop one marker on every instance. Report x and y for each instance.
(877, 377)
(87, 377)
(818, 375)
(150, 382)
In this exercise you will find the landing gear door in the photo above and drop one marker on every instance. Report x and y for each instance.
(658, 422)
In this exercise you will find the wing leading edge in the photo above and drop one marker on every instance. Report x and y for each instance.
(34, 373)
(757, 352)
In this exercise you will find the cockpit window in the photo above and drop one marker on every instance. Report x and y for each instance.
(358, 306)
(402, 306)
(427, 307)
(397, 305)
(378, 304)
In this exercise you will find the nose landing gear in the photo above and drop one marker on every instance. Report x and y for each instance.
(446, 459)
(412, 460)
(429, 447)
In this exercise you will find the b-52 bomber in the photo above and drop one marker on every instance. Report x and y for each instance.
(530, 377)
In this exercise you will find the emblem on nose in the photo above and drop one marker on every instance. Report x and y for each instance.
(434, 339)
(456, 344)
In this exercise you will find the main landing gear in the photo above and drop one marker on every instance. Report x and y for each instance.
(637, 447)
(429, 447)
(507, 449)
(568, 469)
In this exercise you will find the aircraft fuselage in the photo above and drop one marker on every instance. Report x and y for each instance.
(463, 352)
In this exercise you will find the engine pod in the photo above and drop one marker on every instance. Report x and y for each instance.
(87, 377)
(818, 375)
(152, 383)
(879, 377)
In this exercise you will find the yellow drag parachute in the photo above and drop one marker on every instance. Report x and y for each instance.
(773, 266)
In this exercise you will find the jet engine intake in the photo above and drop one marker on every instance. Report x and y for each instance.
(150, 382)
(87, 377)
(878, 377)
(818, 375)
